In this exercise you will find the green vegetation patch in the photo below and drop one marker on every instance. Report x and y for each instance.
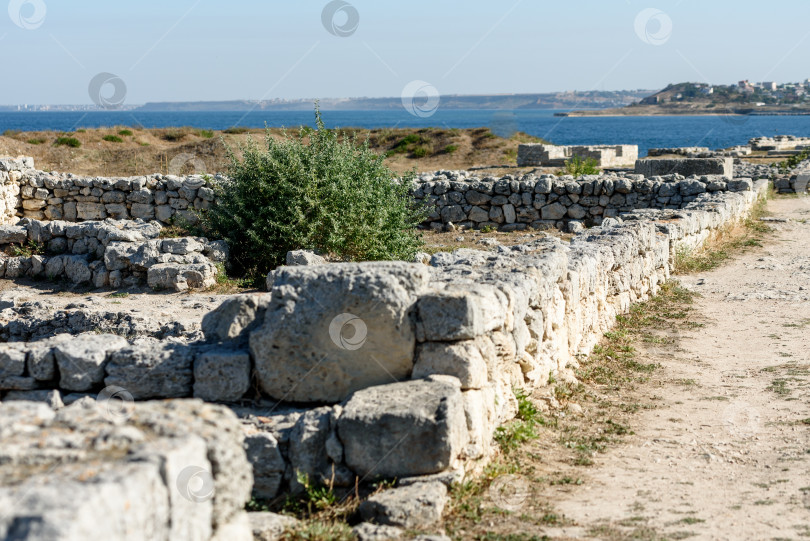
(68, 142)
(317, 192)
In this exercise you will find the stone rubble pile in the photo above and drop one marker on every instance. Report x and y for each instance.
(111, 253)
(516, 203)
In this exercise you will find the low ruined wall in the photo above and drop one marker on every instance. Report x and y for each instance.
(112, 253)
(39, 195)
(392, 356)
(515, 203)
(797, 181)
(534, 154)
(723, 167)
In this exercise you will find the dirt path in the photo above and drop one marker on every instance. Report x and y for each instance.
(726, 452)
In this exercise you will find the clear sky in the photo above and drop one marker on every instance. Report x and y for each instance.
(190, 50)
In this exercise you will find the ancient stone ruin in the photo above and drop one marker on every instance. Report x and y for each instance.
(336, 375)
(556, 156)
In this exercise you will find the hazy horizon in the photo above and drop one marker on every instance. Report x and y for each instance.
(197, 50)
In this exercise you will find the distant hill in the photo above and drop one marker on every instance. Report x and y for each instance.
(743, 98)
(596, 99)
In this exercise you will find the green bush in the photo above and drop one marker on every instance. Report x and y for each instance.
(450, 149)
(236, 130)
(420, 152)
(125, 133)
(67, 141)
(333, 195)
(577, 166)
(37, 141)
(174, 136)
(206, 134)
(113, 139)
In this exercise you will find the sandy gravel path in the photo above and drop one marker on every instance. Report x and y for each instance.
(726, 454)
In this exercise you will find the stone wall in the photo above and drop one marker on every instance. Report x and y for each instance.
(701, 152)
(723, 167)
(797, 181)
(112, 253)
(359, 364)
(553, 155)
(514, 203)
(780, 142)
(27, 192)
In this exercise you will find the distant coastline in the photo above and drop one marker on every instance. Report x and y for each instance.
(595, 99)
(626, 113)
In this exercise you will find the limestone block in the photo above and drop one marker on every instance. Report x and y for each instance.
(77, 269)
(333, 329)
(460, 312)
(460, 359)
(235, 318)
(89, 211)
(81, 360)
(222, 375)
(12, 234)
(554, 211)
(268, 464)
(382, 426)
(304, 258)
(152, 369)
(412, 507)
(180, 277)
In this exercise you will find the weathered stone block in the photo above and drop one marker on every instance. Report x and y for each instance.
(459, 312)
(268, 464)
(221, 375)
(89, 211)
(235, 318)
(554, 211)
(460, 359)
(152, 369)
(333, 329)
(304, 258)
(382, 426)
(412, 507)
(81, 360)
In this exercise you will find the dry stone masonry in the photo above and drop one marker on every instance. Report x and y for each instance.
(39, 195)
(516, 203)
(723, 167)
(338, 373)
(112, 253)
(534, 154)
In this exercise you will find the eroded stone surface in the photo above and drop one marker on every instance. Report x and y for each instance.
(333, 329)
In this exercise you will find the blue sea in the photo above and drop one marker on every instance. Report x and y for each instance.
(647, 132)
